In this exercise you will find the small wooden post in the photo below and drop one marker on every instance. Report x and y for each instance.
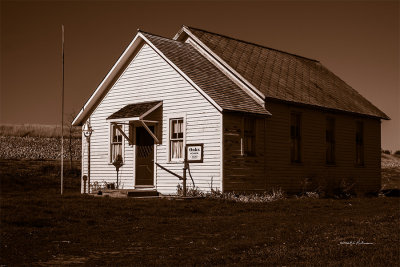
(185, 166)
(184, 178)
(117, 177)
(84, 183)
(117, 163)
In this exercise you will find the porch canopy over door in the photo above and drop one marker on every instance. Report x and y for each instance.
(139, 114)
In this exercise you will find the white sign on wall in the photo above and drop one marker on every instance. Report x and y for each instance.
(194, 153)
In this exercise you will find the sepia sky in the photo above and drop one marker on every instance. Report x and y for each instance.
(358, 41)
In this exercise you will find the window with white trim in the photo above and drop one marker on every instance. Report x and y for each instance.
(115, 143)
(176, 132)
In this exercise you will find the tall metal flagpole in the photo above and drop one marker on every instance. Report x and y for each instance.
(62, 115)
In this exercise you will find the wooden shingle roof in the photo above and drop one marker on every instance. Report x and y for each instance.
(287, 77)
(134, 110)
(228, 95)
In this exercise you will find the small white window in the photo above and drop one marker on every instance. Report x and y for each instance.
(116, 143)
(176, 139)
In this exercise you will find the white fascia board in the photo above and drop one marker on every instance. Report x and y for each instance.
(224, 70)
(127, 121)
(206, 96)
(106, 81)
(123, 119)
(74, 122)
(253, 90)
(179, 33)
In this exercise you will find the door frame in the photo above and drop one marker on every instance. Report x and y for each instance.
(134, 126)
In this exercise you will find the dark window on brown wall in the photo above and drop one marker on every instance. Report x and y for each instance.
(295, 137)
(330, 140)
(359, 143)
(249, 137)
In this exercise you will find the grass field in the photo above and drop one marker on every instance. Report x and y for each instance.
(390, 171)
(40, 227)
(38, 130)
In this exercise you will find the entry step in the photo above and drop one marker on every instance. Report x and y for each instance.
(143, 193)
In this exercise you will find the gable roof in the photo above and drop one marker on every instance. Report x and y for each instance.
(206, 77)
(135, 110)
(284, 76)
(228, 95)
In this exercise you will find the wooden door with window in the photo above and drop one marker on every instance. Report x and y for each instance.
(144, 157)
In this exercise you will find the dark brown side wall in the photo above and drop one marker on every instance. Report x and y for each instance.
(242, 173)
(246, 173)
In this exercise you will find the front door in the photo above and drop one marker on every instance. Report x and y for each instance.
(144, 157)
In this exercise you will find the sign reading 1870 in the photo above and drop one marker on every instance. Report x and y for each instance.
(195, 153)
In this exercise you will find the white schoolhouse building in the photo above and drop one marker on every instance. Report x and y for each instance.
(259, 118)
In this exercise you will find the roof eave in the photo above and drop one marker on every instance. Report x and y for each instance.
(252, 89)
(259, 114)
(97, 94)
(383, 116)
(205, 95)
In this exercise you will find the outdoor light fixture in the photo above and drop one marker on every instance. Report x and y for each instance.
(87, 130)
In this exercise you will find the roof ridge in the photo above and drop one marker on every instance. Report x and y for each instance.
(157, 35)
(251, 43)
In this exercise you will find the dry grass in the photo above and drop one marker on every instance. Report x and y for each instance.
(40, 227)
(264, 197)
(37, 130)
(390, 171)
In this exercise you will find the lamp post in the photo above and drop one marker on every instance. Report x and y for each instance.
(87, 132)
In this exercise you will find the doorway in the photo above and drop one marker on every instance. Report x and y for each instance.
(144, 157)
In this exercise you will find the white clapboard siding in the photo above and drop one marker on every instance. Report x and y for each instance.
(149, 78)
